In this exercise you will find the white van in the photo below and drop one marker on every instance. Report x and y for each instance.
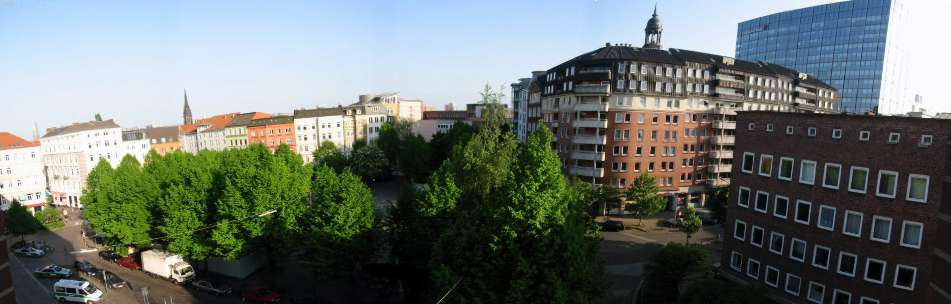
(76, 291)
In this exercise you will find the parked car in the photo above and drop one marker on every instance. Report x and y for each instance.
(111, 280)
(29, 252)
(207, 286)
(84, 267)
(260, 294)
(53, 271)
(612, 225)
(129, 262)
(109, 255)
(41, 245)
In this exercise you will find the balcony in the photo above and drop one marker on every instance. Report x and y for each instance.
(718, 182)
(587, 171)
(588, 155)
(592, 107)
(582, 139)
(719, 168)
(593, 88)
(727, 77)
(722, 124)
(590, 123)
(728, 92)
(721, 154)
(724, 110)
(724, 139)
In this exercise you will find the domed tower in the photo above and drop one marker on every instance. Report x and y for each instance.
(652, 31)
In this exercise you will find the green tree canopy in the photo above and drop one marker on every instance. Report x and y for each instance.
(368, 162)
(19, 221)
(118, 202)
(666, 270)
(339, 221)
(643, 198)
(328, 154)
(443, 143)
(690, 223)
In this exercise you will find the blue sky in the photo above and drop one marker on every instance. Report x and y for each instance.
(63, 61)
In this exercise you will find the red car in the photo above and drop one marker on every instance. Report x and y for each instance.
(260, 294)
(129, 262)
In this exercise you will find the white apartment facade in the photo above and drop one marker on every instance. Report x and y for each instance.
(136, 143)
(314, 126)
(70, 152)
(21, 173)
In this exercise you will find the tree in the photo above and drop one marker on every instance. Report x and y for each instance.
(718, 203)
(328, 154)
(368, 162)
(50, 218)
(716, 291)
(643, 198)
(690, 224)
(667, 269)
(414, 159)
(605, 198)
(118, 202)
(338, 222)
(184, 205)
(19, 221)
(443, 143)
(98, 117)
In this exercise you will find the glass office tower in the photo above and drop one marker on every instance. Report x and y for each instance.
(856, 46)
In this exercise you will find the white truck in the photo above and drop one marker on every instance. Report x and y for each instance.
(168, 266)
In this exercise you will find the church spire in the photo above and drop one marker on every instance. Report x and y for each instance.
(187, 114)
(652, 31)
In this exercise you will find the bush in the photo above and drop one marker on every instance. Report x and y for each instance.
(666, 270)
(714, 291)
(50, 218)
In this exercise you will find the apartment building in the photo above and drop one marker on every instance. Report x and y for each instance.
(621, 110)
(164, 140)
(315, 126)
(21, 173)
(840, 208)
(272, 132)
(521, 92)
(396, 107)
(70, 152)
(136, 142)
(206, 133)
(236, 131)
(438, 121)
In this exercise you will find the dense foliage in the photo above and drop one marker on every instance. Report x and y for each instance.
(642, 197)
(718, 291)
(668, 268)
(690, 223)
(19, 221)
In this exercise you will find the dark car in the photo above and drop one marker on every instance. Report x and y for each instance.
(109, 255)
(111, 279)
(260, 294)
(612, 225)
(206, 286)
(128, 262)
(84, 267)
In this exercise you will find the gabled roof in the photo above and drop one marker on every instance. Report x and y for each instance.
(157, 133)
(79, 127)
(9, 141)
(244, 119)
(216, 122)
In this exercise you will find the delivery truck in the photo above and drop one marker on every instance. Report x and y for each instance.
(168, 266)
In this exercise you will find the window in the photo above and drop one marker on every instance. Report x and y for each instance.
(748, 159)
(792, 284)
(905, 277)
(826, 218)
(830, 178)
(797, 250)
(864, 135)
(751, 126)
(817, 292)
(820, 256)
(911, 234)
(744, 197)
(785, 168)
(811, 131)
(807, 172)
(881, 229)
(790, 130)
(858, 179)
(802, 212)
(836, 133)
(867, 300)
(756, 236)
(887, 183)
(769, 127)
(841, 297)
(847, 263)
(762, 201)
(875, 270)
(781, 206)
(765, 165)
(752, 268)
(852, 223)
(776, 241)
(772, 276)
(736, 261)
(739, 230)
(918, 188)
(894, 137)
(925, 140)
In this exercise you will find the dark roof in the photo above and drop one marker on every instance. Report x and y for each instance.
(620, 52)
(79, 127)
(244, 119)
(318, 112)
(276, 120)
(169, 132)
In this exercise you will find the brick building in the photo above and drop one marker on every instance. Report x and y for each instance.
(841, 209)
(7, 295)
(272, 132)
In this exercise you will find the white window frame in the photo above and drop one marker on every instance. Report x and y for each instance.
(819, 217)
(888, 238)
(753, 162)
(751, 126)
(790, 130)
(756, 202)
(855, 264)
(809, 293)
(921, 233)
(884, 270)
(792, 247)
(733, 255)
(865, 135)
(894, 137)
(798, 286)
(776, 203)
(808, 217)
(769, 127)
(864, 300)
(914, 277)
(762, 234)
(815, 250)
(836, 133)
(739, 196)
(838, 178)
(836, 292)
(760, 167)
(811, 132)
(926, 140)
(852, 169)
(782, 246)
(749, 268)
(737, 223)
(927, 188)
(878, 182)
(766, 276)
(845, 223)
(814, 169)
(792, 168)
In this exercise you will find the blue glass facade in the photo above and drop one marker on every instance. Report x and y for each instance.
(851, 45)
